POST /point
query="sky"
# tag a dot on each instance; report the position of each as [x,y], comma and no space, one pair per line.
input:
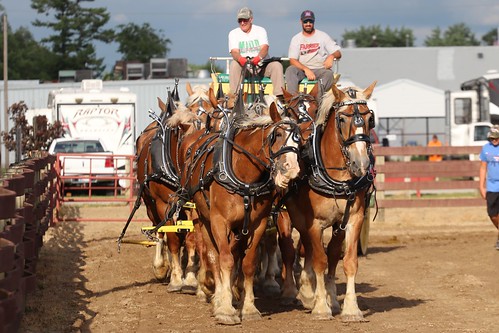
[198,29]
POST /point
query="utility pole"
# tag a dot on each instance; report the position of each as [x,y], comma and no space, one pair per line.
[5,91]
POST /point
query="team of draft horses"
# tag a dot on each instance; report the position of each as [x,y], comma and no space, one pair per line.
[228,166]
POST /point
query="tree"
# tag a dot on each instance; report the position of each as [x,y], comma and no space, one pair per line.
[141,42]
[32,138]
[75,29]
[491,37]
[27,58]
[375,36]
[455,35]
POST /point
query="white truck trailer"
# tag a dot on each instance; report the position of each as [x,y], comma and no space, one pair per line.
[95,112]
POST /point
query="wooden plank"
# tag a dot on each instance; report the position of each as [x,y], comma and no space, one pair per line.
[429,169]
[420,150]
[427,185]
[417,202]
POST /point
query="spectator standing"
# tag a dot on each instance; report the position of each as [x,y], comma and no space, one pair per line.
[435,142]
[489,176]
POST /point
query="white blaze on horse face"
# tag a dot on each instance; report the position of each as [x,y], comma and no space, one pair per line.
[287,165]
[359,156]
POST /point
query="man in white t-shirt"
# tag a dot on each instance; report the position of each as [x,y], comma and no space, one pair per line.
[311,55]
[249,42]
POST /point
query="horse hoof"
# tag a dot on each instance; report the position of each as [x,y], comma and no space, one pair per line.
[252,316]
[272,290]
[190,290]
[351,318]
[308,303]
[227,320]
[290,301]
[161,273]
[322,316]
[174,288]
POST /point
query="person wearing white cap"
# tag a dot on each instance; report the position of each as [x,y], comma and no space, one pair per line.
[249,42]
[311,55]
[489,176]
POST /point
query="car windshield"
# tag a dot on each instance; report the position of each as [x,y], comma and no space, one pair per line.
[87,146]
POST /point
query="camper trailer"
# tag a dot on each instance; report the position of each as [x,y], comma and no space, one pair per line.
[95,112]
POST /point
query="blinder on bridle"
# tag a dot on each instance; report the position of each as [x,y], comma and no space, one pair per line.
[293,132]
[357,119]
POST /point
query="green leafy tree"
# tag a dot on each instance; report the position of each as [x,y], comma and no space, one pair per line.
[141,42]
[27,58]
[75,28]
[455,35]
[375,36]
[491,37]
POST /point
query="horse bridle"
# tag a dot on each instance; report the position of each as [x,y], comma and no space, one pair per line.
[358,121]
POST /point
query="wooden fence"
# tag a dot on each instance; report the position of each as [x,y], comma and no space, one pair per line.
[27,200]
[406,179]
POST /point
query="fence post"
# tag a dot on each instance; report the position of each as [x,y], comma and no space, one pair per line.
[380,178]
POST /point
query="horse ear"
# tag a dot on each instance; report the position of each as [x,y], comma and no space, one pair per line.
[286,94]
[274,113]
[315,91]
[369,90]
[161,105]
[211,95]
[189,89]
[338,94]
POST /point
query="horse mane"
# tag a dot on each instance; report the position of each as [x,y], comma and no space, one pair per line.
[254,121]
[199,93]
[182,116]
[329,99]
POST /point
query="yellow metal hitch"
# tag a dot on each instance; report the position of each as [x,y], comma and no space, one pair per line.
[137,242]
[181,226]
[190,205]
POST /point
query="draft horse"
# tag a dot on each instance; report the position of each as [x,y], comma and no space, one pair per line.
[339,173]
[158,176]
[230,176]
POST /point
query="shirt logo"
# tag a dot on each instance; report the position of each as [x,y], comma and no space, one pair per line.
[309,48]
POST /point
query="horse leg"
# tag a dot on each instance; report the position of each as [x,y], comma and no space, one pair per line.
[161,259]
[271,268]
[249,310]
[321,309]
[206,284]
[307,276]
[223,311]
[334,250]
[289,291]
[190,285]
[351,311]
[176,282]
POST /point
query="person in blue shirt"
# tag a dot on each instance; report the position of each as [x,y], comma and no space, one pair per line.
[489,176]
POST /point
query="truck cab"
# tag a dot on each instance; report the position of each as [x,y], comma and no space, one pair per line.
[471,110]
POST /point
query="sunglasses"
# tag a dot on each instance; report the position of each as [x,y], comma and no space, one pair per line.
[308,21]
[243,20]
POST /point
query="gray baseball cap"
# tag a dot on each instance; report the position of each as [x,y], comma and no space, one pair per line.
[244,13]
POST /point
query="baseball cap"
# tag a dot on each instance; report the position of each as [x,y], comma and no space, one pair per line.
[244,13]
[493,133]
[307,15]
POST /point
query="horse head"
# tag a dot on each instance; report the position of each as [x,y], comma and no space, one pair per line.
[284,145]
[353,122]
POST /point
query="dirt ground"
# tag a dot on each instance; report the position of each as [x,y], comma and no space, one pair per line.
[427,270]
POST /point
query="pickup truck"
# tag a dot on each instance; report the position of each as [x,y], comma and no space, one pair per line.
[84,161]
